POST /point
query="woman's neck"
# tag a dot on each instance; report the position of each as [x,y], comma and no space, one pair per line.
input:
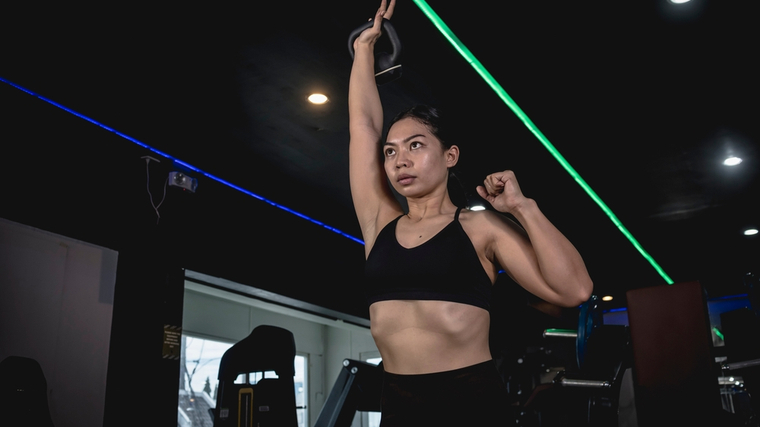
[429,207]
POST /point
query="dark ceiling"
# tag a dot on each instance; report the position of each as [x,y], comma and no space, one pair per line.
[643,98]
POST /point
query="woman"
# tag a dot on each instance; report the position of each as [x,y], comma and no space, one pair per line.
[430,270]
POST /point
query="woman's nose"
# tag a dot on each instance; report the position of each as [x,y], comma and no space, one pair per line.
[402,160]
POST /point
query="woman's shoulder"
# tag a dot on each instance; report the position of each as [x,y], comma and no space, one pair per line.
[467,215]
[486,221]
[491,232]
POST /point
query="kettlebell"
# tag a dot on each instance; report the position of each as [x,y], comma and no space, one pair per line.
[387,66]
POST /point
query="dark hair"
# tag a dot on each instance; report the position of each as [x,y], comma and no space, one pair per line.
[429,116]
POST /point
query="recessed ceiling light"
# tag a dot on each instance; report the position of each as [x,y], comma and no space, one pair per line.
[317,98]
[732,161]
[679,1]
[750,231]
[607,298]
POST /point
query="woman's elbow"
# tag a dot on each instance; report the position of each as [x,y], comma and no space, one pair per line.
[578,294]
[585,290]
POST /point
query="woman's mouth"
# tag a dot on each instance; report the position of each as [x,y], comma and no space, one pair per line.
[405,179]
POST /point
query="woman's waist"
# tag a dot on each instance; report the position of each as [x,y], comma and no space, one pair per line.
[421,357]
[429,336]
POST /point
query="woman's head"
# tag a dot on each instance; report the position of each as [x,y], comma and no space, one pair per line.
[417,154]
[433,120]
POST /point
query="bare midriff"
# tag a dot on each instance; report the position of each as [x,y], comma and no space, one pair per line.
[420,337]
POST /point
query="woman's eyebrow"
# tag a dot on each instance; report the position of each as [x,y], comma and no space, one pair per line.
[405,140]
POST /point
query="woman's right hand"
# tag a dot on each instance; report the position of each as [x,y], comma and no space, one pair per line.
[371,34]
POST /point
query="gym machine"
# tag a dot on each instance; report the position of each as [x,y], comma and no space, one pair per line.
[357,388]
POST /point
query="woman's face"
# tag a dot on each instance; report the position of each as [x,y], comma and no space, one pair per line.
[415,161]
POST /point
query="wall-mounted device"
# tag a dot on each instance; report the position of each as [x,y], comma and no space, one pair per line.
[179,179]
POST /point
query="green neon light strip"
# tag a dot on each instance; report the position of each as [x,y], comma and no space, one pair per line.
[719,334]
[470,58]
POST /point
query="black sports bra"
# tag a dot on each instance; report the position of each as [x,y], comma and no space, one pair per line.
[445,268]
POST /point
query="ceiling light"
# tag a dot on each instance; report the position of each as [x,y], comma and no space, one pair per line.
[732,161]
[607,298]
[679,1]
[317,98]
[750,231]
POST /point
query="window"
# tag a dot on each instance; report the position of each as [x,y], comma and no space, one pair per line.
[198,380]
[199,367]
[300,381]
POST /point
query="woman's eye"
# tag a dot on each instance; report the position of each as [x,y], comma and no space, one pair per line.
[389,152]
[414,145]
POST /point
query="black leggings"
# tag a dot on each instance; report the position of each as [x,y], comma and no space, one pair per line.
[473,396]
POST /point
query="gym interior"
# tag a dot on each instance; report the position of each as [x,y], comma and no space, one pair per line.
[171,199]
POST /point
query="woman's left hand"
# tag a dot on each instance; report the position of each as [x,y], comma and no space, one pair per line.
[371,34]
[502,191]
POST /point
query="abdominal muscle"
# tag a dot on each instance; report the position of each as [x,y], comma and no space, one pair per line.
[419,337]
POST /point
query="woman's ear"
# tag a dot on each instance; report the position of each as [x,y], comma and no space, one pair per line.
[452,156]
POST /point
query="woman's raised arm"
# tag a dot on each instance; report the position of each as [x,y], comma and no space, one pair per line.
[373,200]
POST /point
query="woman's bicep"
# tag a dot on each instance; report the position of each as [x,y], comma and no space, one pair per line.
[513,251]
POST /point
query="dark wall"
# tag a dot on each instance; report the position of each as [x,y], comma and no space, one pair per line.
[68,176]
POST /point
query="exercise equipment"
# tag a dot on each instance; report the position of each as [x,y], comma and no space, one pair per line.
[741,338]
[591,391]
[268,401]
[357,388]
[387,65]
[676,378]
[589,318]
[23,393]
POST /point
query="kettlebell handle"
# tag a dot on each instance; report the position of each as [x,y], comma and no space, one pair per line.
[388,30]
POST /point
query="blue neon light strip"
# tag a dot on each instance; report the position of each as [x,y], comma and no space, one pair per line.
[188,166]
